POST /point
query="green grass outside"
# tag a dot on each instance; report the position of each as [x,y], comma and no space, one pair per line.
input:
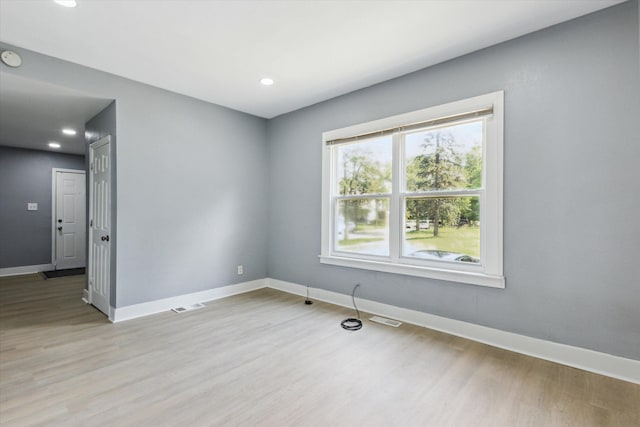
[351,242]
[463,240]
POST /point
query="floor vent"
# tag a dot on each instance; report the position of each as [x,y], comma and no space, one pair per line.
[385,321]
[187,308]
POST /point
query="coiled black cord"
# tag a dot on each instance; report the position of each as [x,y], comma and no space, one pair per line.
[352,324]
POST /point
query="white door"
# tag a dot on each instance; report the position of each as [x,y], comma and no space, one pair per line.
[100,224]
[70,217]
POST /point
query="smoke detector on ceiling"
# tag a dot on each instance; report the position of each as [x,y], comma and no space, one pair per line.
[11,58]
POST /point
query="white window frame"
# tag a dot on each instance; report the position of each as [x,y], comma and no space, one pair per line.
[490,271]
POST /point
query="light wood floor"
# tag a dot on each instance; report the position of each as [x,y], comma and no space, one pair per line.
[266,359]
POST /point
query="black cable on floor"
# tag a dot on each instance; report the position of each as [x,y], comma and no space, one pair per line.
[308,301]
[352,324]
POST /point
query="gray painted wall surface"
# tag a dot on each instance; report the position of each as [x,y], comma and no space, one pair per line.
[101,125]
[192,184]
[25,176]
[571,229]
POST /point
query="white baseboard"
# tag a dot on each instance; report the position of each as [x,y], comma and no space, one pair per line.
[588,360]
[85,296]
[26,269]
[152,307]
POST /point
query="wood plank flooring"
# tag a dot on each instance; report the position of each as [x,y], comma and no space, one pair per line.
[266,359]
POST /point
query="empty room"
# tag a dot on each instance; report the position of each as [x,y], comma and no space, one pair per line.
[319,213]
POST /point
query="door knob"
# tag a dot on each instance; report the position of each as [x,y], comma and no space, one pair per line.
[59,220]
[59,228]
[105,238]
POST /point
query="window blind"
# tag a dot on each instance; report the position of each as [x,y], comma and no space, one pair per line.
[414,126]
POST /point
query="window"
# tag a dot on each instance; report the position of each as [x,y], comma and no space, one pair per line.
[418,193]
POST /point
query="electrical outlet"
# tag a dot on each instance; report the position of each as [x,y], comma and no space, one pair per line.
[32,206]
[240,269]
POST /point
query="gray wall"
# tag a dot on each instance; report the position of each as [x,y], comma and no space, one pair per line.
[101,125]
[192,184]
[572,234]
[25,176]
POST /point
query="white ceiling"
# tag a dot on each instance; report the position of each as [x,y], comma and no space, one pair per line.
[315,50]
[33,113]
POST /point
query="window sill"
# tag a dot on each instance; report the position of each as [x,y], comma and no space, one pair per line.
[471,278]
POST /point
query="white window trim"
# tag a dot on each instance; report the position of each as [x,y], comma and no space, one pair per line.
[491,272]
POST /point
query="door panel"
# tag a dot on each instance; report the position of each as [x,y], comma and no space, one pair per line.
[100,225]
[70,221]
[69,246]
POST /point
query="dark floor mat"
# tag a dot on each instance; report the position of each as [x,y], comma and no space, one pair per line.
[63,273]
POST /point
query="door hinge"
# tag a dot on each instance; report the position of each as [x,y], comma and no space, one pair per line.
[91,166]
[90,223]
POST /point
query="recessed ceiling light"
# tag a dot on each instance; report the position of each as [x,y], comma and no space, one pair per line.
[266,81]
[68,131]
[67,3]
[54,145]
